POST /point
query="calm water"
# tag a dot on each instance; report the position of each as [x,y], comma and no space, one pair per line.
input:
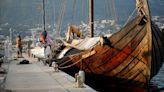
[158,80]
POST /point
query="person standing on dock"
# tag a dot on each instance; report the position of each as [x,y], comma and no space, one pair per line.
[19,46]
[28,47]
[43,36]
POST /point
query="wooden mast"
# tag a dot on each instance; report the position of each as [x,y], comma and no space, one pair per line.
[91,2]
[44,16]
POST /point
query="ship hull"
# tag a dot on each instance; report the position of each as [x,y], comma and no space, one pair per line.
[133,57]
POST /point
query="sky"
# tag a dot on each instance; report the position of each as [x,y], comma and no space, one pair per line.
[29,12]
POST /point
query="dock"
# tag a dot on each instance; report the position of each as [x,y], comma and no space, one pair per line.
[36,77]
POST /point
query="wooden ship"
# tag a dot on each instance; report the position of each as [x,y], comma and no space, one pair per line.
[131,56]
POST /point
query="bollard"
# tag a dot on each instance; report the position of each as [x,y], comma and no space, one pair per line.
[79,79]
[79,83]
[55,66]
[82,75]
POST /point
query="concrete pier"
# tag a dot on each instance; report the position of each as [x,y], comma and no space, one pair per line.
[36,77]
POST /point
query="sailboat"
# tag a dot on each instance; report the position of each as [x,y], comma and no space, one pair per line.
[131,56]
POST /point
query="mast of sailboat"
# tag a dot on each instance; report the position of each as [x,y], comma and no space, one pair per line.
[91,2]
[44,16]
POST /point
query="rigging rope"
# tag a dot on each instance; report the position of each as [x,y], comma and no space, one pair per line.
[61,16]
[82,29]
[82,9]
[65,62]
[58,19]
[74,9]
[82,26]
[88,11]
[60,67]
[53,15]
[130,17]
[107,8]
[80,60]
[113,12]
[84,56]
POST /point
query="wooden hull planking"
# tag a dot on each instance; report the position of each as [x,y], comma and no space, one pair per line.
[128,58]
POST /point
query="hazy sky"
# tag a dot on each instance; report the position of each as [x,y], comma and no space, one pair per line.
[30,11]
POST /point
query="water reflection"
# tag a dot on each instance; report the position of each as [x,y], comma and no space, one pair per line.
[157,83]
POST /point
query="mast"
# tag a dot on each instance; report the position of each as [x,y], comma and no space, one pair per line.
[44,16]
[91,2]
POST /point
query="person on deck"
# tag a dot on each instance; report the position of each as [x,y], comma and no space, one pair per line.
[19,46]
